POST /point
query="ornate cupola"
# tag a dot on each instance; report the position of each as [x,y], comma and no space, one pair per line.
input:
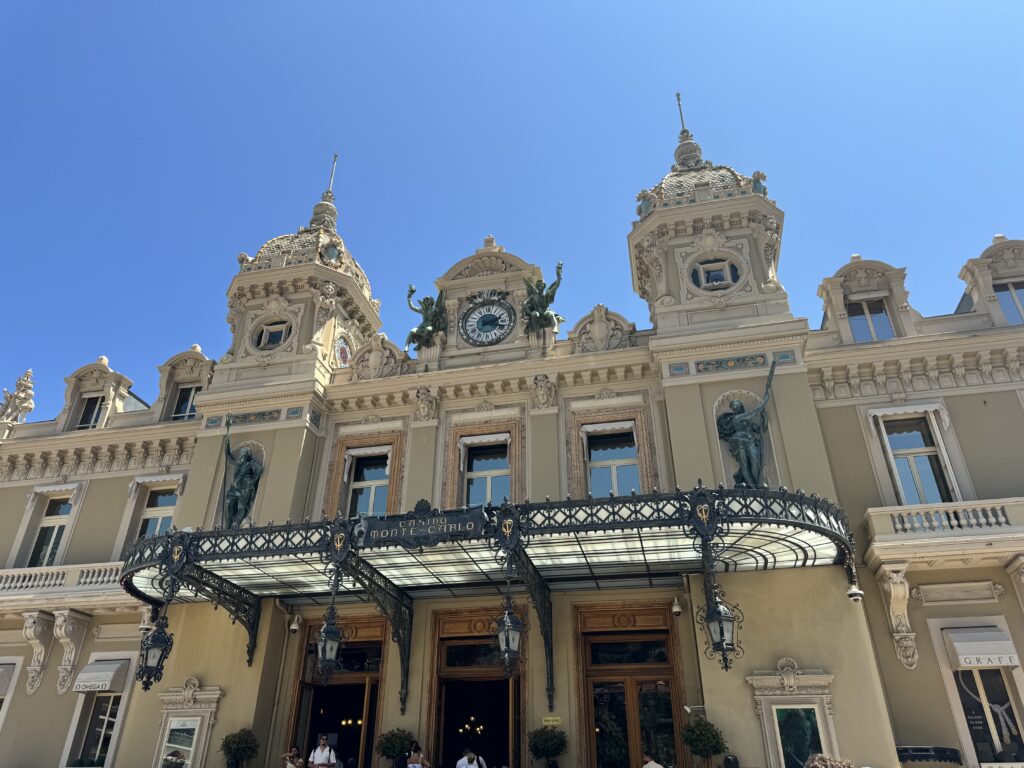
[300,307]
[704,250]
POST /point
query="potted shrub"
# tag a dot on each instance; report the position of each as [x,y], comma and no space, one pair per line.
[547,743]
[703,739]
[239,746]
[393,745]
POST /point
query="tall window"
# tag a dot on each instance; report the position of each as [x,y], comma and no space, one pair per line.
[50,534]
[91,409]
[915,462]
[488,474]
[990,711]
[368,486]
[869,320]
[185,403]
[613,467]
[1011,300]
[99,729]
[158,513]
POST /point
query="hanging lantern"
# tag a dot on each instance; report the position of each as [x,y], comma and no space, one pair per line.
[155,648]
[328,643]
[721,623]
[510,634]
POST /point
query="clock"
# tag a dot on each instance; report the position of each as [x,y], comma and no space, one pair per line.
[487,322]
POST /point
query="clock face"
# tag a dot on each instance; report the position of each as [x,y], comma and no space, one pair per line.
[487,323]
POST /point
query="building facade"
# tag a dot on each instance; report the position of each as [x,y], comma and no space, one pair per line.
[620,492]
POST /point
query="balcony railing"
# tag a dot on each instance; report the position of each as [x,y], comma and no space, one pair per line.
[92,577]
[957,518]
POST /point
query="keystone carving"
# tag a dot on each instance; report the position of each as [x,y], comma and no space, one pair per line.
[543,391]
[69,627]
[38,633]
[896,591]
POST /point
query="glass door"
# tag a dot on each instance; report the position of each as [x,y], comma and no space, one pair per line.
[631,703]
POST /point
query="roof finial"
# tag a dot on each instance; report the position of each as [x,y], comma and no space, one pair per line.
[330,184]
[679,103]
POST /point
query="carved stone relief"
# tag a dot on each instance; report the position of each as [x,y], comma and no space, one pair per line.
[543,392]
[378,359]
[896,591]
[426,404]
[69,628]
[601,331]
[38,633]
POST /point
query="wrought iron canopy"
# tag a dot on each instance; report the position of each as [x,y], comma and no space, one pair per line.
[573,543]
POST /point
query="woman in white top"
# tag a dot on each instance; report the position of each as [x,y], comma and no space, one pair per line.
[416,758]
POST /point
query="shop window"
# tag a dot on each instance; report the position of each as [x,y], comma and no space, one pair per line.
[9,667]
[101,685]
[613,464]
[869,321]
[185,403]
[272,334]
[92,407]
[1011,301]
[158,513]
[179,747]
[915,461]
[798,732]
[98,728]
[50,534]
[487,474]
[187,717]
[368,485]
[991,713]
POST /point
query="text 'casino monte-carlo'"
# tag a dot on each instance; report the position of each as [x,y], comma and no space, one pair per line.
[511,521]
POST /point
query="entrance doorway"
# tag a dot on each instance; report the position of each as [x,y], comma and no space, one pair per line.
[344,707]
[479,705]
[476,715]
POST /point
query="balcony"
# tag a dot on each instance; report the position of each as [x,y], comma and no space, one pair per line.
[71,586]
[958,534]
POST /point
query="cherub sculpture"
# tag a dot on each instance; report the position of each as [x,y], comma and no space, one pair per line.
[18,404]
[537,307]
[435,320]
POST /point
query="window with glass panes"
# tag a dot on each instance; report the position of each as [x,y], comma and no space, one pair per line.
[52,526]
[185,403]
[99,729]
[91,408]
[158,513]
[272,334]
[915,461]
[869,320]
[1011,300]
[488,474]
[991,712]
[368,486]
[613,467]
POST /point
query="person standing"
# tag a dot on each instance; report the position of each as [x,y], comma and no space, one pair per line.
[323,755]
[650,762]
[288,759]
[416,758]
[470,760]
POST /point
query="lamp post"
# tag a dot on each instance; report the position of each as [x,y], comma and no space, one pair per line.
[510,635]
[155,648]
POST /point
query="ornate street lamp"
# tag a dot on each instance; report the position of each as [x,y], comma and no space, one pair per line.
[721,624]
[510,634]
[156,647]
[329,643]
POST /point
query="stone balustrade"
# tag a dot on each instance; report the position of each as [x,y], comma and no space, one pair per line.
[91,577]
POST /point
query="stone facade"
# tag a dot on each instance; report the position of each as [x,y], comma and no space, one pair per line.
[914,424]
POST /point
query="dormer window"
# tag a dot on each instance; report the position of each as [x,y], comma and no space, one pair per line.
[185,403]
[715,274]
[1011,301]
[92,407]
[271,334]
[869,320]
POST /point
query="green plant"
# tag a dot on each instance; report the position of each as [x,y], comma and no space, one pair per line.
[703,738]
[239,746]
[547,743]
[394,744]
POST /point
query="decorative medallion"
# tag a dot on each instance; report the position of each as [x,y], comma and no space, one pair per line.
[342,352]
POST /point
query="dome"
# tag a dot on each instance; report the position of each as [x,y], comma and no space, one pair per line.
[684,182]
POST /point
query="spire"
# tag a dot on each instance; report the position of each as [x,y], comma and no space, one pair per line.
[325,215]
[688,153]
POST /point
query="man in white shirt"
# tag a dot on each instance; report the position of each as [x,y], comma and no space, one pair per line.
[650,762]
[470,760]
[323,755]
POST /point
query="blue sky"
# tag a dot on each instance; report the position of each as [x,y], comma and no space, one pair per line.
[145,145]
